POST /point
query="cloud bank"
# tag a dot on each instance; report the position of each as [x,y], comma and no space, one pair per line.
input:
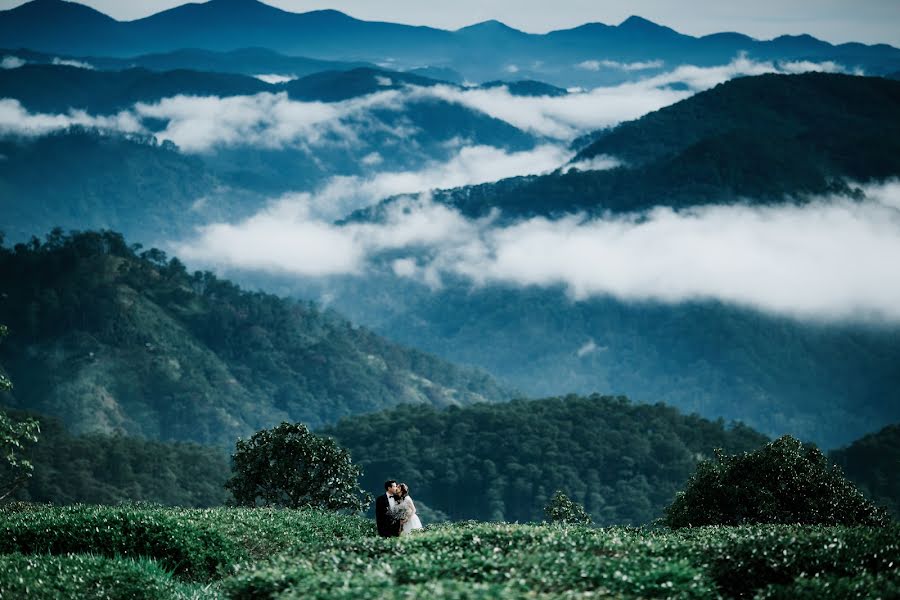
[267,120]
[829,259]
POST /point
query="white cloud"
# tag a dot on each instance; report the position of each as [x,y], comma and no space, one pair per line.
[11,62]
[275,78]
[596,65]
[78,64]
[601,162]
[383,81]
[15,120]
[829,259]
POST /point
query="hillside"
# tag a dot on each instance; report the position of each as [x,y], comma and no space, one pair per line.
[110,340]
[622,461]
[872,462]
[759,138]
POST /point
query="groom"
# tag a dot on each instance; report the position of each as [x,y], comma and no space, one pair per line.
[388,526]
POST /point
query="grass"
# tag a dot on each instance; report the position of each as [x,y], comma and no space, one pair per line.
[285,554]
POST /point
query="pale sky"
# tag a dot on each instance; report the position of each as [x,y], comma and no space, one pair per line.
[836,21]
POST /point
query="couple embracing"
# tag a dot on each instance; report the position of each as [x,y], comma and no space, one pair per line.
[395,513]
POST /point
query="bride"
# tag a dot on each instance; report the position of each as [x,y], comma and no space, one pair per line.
[406,510]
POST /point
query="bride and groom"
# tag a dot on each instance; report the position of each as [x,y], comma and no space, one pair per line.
[395,512]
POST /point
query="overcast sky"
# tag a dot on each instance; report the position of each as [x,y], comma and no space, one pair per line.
[868,21]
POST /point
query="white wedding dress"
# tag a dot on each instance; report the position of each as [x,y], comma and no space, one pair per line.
[413,522]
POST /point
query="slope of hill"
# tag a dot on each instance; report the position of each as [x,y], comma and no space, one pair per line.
[110,341]
[759,138]
[828,384]
[624,462]
[873,463]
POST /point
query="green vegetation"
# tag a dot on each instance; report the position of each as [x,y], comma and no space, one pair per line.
[287,466]
[562,511]
[110,469]
[111,339]
[783,482]
[265,553]
[824,383]
[623,462]
[873,463]
[15,468]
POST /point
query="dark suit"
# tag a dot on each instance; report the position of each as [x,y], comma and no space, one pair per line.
[387,525]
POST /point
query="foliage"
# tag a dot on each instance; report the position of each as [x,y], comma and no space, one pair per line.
[623,462]
[514,561]
[287,466]
[190,551]
[123,340]
[872,463]
[109,469]
[84,577]
[15,469]
[782,482]
[562,511]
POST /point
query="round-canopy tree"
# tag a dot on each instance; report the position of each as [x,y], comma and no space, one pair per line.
[15,469]
[782,482]
[288,466]
[561,510]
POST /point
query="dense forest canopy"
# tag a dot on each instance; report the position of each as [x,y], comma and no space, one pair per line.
[623,462]
[113,339]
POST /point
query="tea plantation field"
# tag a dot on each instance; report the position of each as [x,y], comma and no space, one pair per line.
[138,551]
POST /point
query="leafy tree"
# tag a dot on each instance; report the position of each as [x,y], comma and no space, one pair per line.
[783,482]
[291,467]
[14,468]
[563,511]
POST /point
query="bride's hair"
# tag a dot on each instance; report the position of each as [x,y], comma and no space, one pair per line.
[404,490]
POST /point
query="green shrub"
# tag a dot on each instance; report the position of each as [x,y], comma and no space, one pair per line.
[563,511]
[77,577]
[288,466]
[782,482]
[191,551]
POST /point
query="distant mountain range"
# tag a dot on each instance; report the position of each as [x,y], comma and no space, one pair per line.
[112,339]
[481,52]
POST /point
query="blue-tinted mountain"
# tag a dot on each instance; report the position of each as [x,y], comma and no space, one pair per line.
[110,338]
[59,88]
[765,138]
[245,61]
[481,52]
[333,86]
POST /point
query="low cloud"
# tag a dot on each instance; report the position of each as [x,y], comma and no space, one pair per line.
[273,120]
[78,64]
[11,62]
[828,259]
[597,65]
[274,78]
[15,120]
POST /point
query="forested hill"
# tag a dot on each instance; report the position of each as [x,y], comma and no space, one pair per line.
[624,462]
[873,463]
[758,138]
[112,339]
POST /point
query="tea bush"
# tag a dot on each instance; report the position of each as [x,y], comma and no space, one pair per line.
[191,551]
[782,482]
[500,561]
[77,577]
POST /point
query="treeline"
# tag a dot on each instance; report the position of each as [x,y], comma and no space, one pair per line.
[109,469]
[113,338]
[624,462]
